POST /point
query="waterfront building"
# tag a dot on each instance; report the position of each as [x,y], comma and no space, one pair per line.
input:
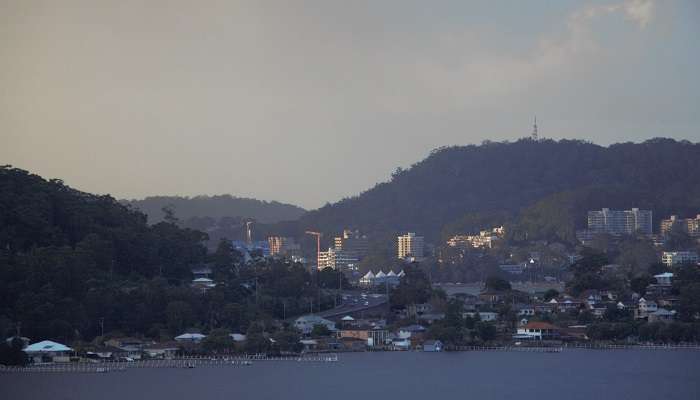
[671,258]
[48,351]
[537,331]
[620,222]
[691,226]
[432,346]
[410,246]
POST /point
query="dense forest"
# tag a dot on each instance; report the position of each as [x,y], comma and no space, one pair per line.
[215,208]
[544,187]
[72,264]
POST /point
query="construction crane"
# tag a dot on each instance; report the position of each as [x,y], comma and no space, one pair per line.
[318,245]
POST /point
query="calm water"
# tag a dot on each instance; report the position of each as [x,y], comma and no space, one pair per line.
[573,374]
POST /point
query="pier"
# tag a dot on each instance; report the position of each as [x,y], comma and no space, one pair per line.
[183,362]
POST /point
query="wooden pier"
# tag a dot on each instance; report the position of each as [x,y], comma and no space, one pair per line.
[184,362]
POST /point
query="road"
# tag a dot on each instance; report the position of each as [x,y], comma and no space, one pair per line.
[355,301]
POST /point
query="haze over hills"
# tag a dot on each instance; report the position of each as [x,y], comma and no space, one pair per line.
[216,207]
[532,184]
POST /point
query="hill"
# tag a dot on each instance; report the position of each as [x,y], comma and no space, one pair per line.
[73,264]
[527,181]
[216,207]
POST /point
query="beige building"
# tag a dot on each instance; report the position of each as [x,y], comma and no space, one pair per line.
[283,246]
[483,239]
[410,246]
[690,225]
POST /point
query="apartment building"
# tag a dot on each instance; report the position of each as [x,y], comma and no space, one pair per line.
[410,246]
[691,226]
[620,222]
[671,258]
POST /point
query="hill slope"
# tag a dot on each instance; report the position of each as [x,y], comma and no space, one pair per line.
[217,207]
[498,178]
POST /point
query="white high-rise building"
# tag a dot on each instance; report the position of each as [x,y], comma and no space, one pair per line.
[410,246]
[616,222]
[337,259]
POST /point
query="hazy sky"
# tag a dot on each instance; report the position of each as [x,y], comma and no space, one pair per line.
[311,101]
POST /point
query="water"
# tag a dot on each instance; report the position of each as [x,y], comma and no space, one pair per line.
[572,374]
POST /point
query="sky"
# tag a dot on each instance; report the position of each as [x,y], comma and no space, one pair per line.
[308,102]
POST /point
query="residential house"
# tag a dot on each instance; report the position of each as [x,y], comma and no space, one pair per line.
[305,324]
[432,346]
[193,338]
[662,315]
[48,351]
[167,350]
[537,331]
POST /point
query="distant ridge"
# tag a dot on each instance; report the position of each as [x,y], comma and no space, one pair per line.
[527,182]
[216,207]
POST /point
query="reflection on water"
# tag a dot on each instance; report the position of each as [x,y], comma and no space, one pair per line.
[572,374]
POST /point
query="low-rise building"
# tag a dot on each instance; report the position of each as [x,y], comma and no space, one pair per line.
[537,331]
[48,351]
[432,346]
[305,324]
[190,338]
[662,315]
[671,258]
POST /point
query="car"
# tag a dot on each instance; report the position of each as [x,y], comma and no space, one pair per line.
[366,303]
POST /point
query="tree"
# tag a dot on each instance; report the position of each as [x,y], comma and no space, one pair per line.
[588,272]
[414,288]
[320,330]
[486,331]
[11,353]
[550,294]
[179,315]
[256,341]
[497,284]
[218,340]
[640,283]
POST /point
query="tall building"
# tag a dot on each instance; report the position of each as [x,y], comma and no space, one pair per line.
[283,246]
[337,259]
[691,226]
[410,246]
[620,222]
[352,243]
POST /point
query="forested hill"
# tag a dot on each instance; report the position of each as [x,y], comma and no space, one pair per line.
[216,207]
[455,183]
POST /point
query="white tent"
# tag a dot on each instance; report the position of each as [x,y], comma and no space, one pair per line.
[380,274]
[347,318]
[391,273]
